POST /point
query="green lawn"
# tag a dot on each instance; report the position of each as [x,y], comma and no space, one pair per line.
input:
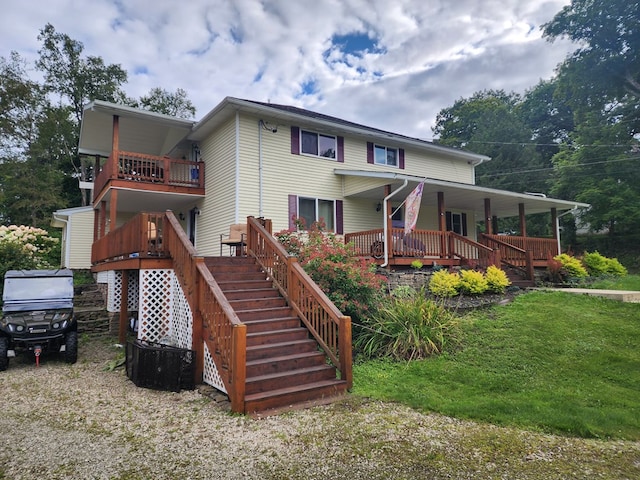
[628,282]
[549,361]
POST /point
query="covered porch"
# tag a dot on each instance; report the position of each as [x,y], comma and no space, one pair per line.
[465,218]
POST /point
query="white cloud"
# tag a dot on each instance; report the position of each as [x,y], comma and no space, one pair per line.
[427,55]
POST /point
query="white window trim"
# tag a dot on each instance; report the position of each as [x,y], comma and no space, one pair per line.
[386,164]
[317,216]
[318,134]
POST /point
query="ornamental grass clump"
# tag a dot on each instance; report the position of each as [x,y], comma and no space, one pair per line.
[444,283]
[472,282]
[408,327]
[497,280]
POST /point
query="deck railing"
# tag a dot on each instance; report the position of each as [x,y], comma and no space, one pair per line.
[138,167]
[540,248]
[472,252]
[142,236]
[325,322]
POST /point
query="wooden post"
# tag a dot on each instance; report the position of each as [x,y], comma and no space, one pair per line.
[442,225]
[197,340]
[488,227]
[115,146]
[345,350]
[523,220]
[239,369]
[113,210]
[124,305]
[529,261]
[554,222]
[103,219]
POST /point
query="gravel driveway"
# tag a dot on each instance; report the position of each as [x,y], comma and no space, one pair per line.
[81,421]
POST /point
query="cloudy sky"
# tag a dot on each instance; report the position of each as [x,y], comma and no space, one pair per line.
[389,64]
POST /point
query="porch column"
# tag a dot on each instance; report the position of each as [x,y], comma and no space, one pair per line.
[113,210]
[487,216]
[388,240]
[523,220]
[555,229]
[124,305]
[115,145]
[103,219]
[442,225]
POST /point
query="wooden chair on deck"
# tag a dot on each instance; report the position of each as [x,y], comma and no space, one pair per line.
[237,239]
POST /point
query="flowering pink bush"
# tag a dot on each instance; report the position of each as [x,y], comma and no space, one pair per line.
[349,281]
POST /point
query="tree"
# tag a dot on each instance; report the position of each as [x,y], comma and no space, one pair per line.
[162,101]
[77,80]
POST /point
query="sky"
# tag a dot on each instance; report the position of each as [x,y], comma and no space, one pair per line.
[388,64]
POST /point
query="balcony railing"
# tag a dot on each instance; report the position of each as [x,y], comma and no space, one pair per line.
[149,169]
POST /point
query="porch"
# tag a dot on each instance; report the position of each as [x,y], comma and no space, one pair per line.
[447,248]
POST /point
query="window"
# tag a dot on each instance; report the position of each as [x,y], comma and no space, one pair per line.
[385,156]
[314,209]
[318,144]
[457,223]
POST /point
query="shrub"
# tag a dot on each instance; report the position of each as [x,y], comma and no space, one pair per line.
[473,282]
[572,265]
[349,281]
[598,265]
[497,280]
[444,283]
[408,329]
[417,264]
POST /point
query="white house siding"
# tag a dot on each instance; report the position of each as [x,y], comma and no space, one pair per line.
[218,208]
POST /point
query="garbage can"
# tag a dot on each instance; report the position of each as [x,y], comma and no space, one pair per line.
[161,367]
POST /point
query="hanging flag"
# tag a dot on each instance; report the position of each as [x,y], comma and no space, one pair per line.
[412,207]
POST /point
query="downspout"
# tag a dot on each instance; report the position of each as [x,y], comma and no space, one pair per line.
[260,215]
[558,225]
[65,232]
[385,227]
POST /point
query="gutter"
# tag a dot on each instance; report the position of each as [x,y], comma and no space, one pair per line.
[573,210]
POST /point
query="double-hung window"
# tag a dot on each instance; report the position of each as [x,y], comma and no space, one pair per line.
[385,155]
[316,209]
[318,144]
[457,222]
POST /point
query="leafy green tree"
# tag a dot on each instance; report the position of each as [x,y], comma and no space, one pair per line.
[162,101]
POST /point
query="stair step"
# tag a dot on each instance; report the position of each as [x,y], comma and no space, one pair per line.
[267,350]
[230,285]
[238,276]
[291,395]
[282,379]
[252,293]
[245,304]
[270,324]
[265,366]
[277,336]
[264,313]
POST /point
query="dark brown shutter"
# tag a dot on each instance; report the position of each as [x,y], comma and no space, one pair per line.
[369,152]
[464,224]
[341,149]
[401,159]
[339,218]
[293,210]
[295,140]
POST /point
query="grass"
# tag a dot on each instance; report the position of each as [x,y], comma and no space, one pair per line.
[550,361]
[628,282]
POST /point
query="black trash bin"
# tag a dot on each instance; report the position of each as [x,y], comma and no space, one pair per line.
[161,367]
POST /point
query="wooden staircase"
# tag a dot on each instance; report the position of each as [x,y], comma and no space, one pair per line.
[284,364]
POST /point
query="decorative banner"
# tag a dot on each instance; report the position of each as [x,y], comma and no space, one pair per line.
[412,207]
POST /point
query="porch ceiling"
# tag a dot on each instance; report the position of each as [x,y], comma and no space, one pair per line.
[459,196]
[134,201]
[140,131]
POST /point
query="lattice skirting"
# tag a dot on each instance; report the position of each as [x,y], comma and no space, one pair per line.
[113,279]
[210,375]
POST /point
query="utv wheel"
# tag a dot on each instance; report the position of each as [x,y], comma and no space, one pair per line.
[4,358]
[71,347]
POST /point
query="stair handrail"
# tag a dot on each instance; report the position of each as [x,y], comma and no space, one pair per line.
[214,320]
[524,255]
[330,328]
[484,252]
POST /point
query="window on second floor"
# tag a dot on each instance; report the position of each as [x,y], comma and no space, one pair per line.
[306,142]
[318,144]
[385,155]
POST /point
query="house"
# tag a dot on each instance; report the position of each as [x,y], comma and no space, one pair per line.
[77,236]
[167,190]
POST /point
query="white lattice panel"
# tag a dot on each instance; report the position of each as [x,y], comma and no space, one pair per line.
[181,316]
[155,304]
[210,375]
[114,290]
